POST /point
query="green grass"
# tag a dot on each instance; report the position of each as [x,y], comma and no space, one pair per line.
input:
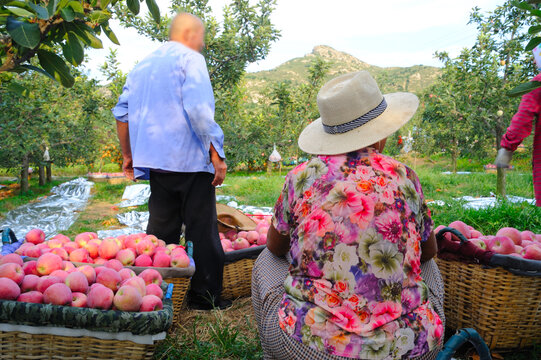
[258,189]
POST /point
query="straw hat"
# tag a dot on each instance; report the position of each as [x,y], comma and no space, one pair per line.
[354,115]
[232,219]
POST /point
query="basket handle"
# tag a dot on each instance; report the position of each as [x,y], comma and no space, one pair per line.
[189,248]
[458,234]
[460,338]
[169,292]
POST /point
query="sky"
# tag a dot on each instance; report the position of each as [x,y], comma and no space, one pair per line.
[383,33]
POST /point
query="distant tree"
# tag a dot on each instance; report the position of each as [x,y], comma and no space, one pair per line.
[47,114]
[467,111]
[57,32]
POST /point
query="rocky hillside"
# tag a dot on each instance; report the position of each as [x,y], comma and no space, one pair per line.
[414,78]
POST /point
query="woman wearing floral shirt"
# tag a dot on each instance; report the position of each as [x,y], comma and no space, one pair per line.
[359,241]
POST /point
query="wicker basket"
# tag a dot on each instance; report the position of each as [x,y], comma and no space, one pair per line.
[21,345]
[180,288]
[503,307]
[238,272]
[238,279]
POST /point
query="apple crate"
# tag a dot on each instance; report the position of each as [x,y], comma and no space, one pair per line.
[48,332]
[498,295]
[238,272]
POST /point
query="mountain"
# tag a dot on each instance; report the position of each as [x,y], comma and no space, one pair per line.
[390,79]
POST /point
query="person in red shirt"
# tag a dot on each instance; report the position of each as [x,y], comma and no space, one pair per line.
[527,118]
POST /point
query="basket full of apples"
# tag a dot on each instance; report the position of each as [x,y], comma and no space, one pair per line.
[492,283]
[241,248]
[81,307]
[137,252]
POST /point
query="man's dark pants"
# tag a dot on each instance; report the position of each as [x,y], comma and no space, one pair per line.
[190,199]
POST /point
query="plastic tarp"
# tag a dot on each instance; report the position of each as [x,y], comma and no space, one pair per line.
[135,195]
[470,202]
[53,213]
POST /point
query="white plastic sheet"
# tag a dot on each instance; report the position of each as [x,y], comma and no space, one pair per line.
[135,195]
[53,213]
[470,202]
[134,219]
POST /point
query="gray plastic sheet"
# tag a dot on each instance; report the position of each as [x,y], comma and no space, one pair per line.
[134,219]
[53,213]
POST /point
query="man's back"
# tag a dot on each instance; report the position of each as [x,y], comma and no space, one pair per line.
[171,112]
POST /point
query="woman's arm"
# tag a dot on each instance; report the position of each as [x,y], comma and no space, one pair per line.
[277,243]
[429,248]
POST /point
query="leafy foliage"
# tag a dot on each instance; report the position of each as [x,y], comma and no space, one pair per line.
[467,112]
[43,27]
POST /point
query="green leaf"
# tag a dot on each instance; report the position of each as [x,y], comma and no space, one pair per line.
[85,33]
[523,5]
[37,69]
[67,14]
[76,6]
[534,29]
[23,33]
[134,6]
[533,43]
[73,50]
[51,7]
[524,88]
[154,10]
[104,4]
[20,12]
[55,66]
[110,34]
[41,12]
[18,89]
[100,16]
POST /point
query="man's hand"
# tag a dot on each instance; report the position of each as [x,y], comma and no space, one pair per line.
[503,158]
[220,169]
[127,168]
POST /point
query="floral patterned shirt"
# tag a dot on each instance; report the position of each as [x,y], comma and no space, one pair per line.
[354,288]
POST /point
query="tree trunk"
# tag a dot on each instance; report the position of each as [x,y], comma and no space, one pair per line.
[500,182]
[454,160]
[49,172]
[41,169]
[24,175]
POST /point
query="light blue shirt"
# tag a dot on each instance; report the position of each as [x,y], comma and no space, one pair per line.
[169,105]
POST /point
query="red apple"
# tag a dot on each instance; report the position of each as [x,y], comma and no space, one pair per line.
[45,281]
[78,299]
[32,251]
[12,271]
[151,276]
[511,233]
[151,303]
[180,260]
[77,282]
[60,274]
[60,252]
[137,283]
[240,243]
[108,248]
[100,297]
[462,227]
[57,294]
[126,257]
[502,245]
[30,267]
[11,258]
[9,290]
[29,283]
[109,278]
[527,235]
[68,267]
[125,274]
[143,260]
[532,252]
[114,264]
[31,297]
[161,259]
[262,239]
[79,255]
[154,289]
[89,272]
[127,298]
[69,247]
[35,236]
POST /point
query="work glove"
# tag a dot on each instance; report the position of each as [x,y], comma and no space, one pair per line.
[503,158]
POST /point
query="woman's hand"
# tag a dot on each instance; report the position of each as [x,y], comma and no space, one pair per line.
[429,248]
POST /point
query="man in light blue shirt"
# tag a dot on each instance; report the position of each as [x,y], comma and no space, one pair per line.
[167,132]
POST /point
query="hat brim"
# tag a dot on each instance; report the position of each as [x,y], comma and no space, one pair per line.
[401,107]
